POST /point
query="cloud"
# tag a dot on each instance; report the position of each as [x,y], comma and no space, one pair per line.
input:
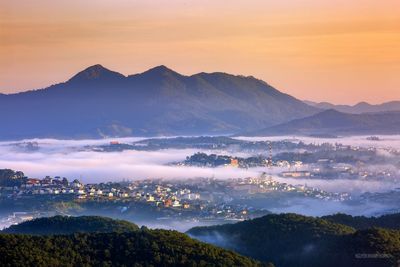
[343,185]
[70,159]
[314,207]
[67,158]
[385,141]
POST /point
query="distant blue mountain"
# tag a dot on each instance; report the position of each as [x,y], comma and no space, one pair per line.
[362,107]
[333,122]
[98,102]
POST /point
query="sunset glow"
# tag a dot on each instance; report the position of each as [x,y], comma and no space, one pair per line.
[337,51]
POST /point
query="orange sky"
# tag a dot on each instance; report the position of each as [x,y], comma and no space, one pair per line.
[318,50]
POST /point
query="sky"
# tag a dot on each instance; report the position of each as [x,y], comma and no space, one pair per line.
[337,51]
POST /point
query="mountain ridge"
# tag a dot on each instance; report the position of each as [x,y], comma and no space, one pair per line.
[95,72]
[360,107]
[296,240]
[64,225]
[331,121]
[98,102]
[101,241]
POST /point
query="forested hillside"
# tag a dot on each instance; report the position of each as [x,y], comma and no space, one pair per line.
[68,225]
[295,240]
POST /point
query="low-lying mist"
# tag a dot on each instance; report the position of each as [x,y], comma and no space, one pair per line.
[381,141]
[68,158]
[72,159]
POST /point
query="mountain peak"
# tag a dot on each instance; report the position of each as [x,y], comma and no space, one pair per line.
[161,67]
[96,72]
[362,104]
[161,70]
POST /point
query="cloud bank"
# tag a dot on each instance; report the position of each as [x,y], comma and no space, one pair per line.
[67,158]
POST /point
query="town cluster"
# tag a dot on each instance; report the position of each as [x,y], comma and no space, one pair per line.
[184,194]
[192,199]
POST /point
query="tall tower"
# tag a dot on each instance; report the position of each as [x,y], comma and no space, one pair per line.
[269,161]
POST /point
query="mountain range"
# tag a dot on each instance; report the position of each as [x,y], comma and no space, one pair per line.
[362,107]
[98,102]
[332,122]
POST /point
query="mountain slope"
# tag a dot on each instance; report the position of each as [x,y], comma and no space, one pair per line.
[390,221]
[335,122]
[60,225]
[99,102]
[362,107]
[294,240]
[138,248]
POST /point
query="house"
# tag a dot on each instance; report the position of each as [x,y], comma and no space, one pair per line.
[168,203]
[76,184]
[30,182]
[296,174]
[176,204]
[149,198]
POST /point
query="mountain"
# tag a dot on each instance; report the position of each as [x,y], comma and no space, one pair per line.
[98,102]
[362,107]
[295,240]
[389,221]
[332,122]
[142,247]
[61,225]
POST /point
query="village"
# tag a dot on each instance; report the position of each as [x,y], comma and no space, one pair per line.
[191,199]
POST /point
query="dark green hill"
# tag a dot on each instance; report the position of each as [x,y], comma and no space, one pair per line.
[390,221]
[370,247]
[58,225]
[100,241]
[294,240]
[138,248]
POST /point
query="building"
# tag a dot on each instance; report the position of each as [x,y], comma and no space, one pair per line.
[296,174]
[234,162]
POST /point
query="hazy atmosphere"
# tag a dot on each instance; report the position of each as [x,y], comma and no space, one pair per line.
[87,161]
[73,159]
[336,51]
[200,133]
